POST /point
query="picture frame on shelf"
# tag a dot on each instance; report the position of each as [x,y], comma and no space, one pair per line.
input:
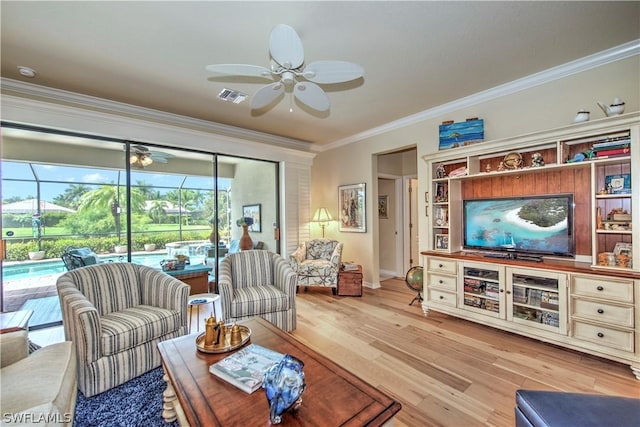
[442,193]
[351,208]
[622,248]
[442,242]
[253,211]
[441,216]
[383,207]
[618,184]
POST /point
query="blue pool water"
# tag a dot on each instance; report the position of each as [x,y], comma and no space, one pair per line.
[31,270]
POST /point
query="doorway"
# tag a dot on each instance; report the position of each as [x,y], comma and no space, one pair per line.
[398,246]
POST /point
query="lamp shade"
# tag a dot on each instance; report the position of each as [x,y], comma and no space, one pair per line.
[322,215]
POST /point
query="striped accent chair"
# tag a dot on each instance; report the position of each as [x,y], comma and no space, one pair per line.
[116,314]
[258,283]
[317,263]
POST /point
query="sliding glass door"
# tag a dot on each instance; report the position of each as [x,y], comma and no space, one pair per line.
[125,201]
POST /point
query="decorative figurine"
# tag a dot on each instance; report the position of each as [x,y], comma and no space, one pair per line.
[487,168]
[582,116]
[512,161]
[584,155]
[501,166]
[617,107]
[536,160]
[209,331]
[283,385]
[440,171]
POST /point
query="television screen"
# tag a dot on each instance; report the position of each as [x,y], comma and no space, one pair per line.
[532,224]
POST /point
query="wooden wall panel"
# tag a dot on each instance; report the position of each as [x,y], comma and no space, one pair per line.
[576,181]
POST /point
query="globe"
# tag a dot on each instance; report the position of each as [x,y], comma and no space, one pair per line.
[413,279]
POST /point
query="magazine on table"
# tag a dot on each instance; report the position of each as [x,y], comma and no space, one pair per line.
[246,367]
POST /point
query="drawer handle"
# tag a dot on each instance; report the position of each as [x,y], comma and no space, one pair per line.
[441,297]
[600,335]
[600,311]
[440,281]
[600,288]
[501,290]
[440,265]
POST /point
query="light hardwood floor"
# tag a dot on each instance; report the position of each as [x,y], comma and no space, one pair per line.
[445,371]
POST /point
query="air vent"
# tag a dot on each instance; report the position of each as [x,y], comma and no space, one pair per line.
[232,95]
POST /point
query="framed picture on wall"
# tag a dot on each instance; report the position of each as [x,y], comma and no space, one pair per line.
[383,207]
[351,208]
[253,211]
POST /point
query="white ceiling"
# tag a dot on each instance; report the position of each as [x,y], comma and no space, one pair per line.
[416,55]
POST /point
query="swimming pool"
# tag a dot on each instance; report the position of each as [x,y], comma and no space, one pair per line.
[31,270]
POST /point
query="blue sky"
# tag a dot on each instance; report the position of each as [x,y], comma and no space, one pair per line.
[73,175]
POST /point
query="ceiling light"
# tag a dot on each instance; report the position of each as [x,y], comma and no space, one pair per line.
[232,95]
[26,71]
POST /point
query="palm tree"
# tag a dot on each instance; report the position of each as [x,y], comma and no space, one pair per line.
[157,211]
[111,198]
[71,196]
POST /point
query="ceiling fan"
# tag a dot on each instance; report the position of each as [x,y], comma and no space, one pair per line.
[141,157]
[288,69]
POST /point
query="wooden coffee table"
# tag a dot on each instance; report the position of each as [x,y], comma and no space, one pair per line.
[334,396]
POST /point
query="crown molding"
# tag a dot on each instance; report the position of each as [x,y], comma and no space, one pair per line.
[58,96]
[599,59]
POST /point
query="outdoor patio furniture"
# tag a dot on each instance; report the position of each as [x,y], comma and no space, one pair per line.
[79,257]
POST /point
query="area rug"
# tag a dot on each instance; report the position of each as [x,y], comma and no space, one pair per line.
[135,403]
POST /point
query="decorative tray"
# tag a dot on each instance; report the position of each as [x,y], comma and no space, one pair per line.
[225,344]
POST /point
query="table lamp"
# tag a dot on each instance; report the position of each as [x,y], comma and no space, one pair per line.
[322,216]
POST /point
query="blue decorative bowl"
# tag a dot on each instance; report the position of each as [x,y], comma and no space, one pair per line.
[283,385]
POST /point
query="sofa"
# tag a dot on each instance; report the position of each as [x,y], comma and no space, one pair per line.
[37,387]
[317,263]
[116,313]
[538,408]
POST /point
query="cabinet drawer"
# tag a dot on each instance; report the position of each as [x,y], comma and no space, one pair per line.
[441,281]
[604,336]
[442,265]
[603,287]
[600,312]
[442,297]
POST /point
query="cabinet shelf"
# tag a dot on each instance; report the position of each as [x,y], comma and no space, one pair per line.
[614,196]
[535,307]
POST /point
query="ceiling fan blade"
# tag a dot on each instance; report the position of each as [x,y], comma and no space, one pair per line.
[240,70]
[332,71]
[285,47]
[266,95]
[312,95]
[159,159]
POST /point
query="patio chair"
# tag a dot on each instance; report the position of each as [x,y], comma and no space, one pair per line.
[79,257]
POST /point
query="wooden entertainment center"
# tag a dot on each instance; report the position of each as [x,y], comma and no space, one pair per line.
[589,302]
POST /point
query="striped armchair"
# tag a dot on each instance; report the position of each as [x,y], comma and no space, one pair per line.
[116,314]
[258,283]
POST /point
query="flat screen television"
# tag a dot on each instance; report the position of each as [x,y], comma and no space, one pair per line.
[536,225]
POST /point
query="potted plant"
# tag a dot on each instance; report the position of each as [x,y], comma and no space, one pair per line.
[120,249]
[35,255]
[149,247]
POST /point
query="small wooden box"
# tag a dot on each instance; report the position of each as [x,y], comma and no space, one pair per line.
[350,282]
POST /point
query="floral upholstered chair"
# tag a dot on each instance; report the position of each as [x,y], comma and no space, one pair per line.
[317,262]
